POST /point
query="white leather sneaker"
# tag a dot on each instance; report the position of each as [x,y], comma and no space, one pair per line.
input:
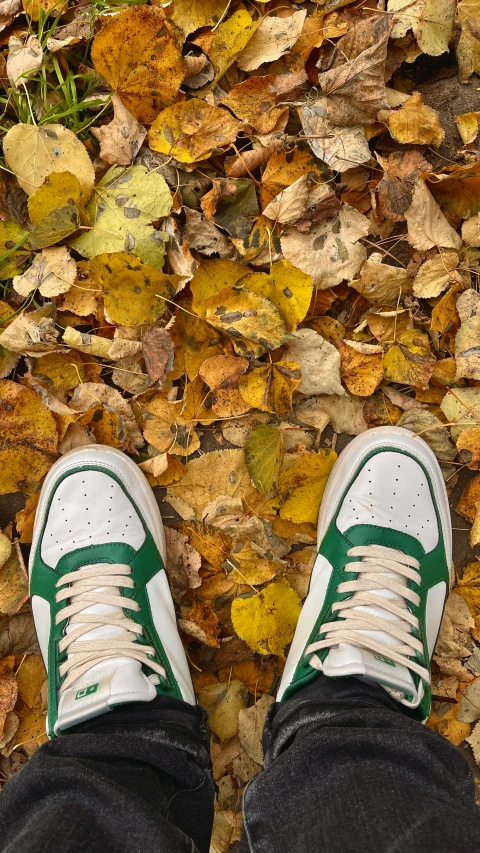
[383,571]
[102,606]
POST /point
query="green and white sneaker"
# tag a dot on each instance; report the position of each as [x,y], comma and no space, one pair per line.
[382,574]
[102,606]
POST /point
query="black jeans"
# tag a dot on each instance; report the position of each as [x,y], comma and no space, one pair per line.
[345,770]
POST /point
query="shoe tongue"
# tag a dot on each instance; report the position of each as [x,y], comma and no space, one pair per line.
[112,682]
[346,659]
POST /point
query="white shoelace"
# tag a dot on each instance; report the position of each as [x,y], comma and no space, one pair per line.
[84,588]
[380,568]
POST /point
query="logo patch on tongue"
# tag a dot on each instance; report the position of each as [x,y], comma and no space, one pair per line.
[86,691]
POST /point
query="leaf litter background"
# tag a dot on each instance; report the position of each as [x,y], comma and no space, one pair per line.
[233,235]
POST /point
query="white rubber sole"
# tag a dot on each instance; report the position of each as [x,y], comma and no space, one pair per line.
[129,474]
[359,448]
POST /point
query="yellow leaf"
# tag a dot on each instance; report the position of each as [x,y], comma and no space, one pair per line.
[270,388]
[170,430]
[192,130]
[410,361]
[475,531]
[132,290]
[210,278]
[266,621]
[263,456]
[287,287]
[249,565]
[190,17]
[195,341]
[241,313]
[283,169]
[301,486]
[467,505]
[414,123]
[10,235]
[29,438]
[328,328]
[58,189]
[444,314]
[255,101]
[257,676]
[468,126]
[209,541]
[436,274]
[34,8]
[31,732]
[461,406]
[137,54]
[125,203]
[61,369]
[33,152]
[223,702]
[271,40]
[93,345]
[223,45]
[30,678]
[222,472]
[361,371]
[381,283]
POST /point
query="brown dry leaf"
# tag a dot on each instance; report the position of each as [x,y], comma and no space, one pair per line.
[467,351]
[13,583]
[319,363]
[469,445]
[17,635]
[467,505]
[159,354]
[381,283]
[121,139]
[394,190]
[201,623]
[468,48]
[255,99]
[8,690]
[271,40]
[258,676]
[133,51]
[354,87]
[455,642]
[250,727]
[183,563]
[414,123]
[108,414]
[362,369]
[432,430]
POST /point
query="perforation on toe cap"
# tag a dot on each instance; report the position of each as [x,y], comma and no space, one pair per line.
[392,490]
[89,508]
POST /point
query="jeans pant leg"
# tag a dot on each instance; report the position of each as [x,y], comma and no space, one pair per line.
[135,779]
[347,770]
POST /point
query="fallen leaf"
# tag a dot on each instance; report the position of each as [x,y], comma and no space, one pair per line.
[381,283]
[114,423]
[122,209]
[133,51]
[467,505]
[431,429]
[319,363]
[223,703]
[194,16]
[241,313]
[255,100]
[210,278]
[467,350]
[30,678]
[121,139]
[33,152]
[250,727]
[362,369]
[339,147]
[192,130]
[409,361]
[248,564]
[227,40]
[300,487]
[257,675]
[468,443]
[267,620]
[159,354]
[461,406]
[454,642]
[468,126]
[427,226]
[468,47]
[271,40]
[222,472]
[53,272]
[414,123]
[24,520]
[183,563]
[32,332]
[436,274]
[22,58]
[331,251]
[263,456]
[13,583]
[11,235]
[270,388]
[132,290]
[345,413]
[5,548]
[29,438]
[394,190]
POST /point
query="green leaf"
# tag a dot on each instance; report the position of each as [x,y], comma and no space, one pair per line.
[263,456]
[124,204]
